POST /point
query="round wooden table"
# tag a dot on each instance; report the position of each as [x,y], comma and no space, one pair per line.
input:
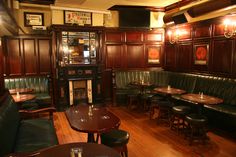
[100,121]
[88,150]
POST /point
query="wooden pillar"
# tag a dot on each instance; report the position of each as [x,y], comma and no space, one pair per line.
[1,68]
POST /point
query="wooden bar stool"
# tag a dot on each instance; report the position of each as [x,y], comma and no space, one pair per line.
[197,127]
[164,111]
[116,139]
[132,100]
[178,117]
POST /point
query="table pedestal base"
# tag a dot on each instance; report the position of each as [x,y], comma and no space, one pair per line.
[91,138]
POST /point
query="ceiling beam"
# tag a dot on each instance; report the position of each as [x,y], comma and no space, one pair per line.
[42,2]
[8,22]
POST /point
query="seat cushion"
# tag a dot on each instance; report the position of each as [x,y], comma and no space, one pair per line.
[115,138]
[181,109]
[29,105]
[9,123]
[224,108]
[35,134]
[196,119]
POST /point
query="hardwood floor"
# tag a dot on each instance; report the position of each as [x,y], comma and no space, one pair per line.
[151,139]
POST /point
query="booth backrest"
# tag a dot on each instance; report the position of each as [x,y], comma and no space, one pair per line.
[123,78]
[40,84]
[182,81]
[157,78]
[9,123]
[221,87]
[224,88]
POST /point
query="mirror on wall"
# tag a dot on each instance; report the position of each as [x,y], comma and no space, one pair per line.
[79,47]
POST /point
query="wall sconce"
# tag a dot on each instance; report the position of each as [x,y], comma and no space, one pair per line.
[229,28]
[173,36]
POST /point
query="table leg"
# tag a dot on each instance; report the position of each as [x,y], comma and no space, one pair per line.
[200,109]
[91,138]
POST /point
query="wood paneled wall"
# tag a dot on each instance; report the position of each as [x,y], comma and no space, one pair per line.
[1,68]
[27,55]
[127,49]
[221,58]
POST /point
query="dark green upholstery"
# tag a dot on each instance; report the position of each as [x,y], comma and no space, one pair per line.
[196,119]
[182,81]
[115,138]
[35,134]
[183,110]
[9,124]
[123,78]
[196,129]
[17,135]
[221,87]
[40,85]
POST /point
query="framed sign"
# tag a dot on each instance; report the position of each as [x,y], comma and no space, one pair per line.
[76,17]
[33,19]
[201,54]
[154,53]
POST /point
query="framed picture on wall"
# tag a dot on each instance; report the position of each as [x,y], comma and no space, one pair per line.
[33,19]
[76,17]
[154,53]
[201,52]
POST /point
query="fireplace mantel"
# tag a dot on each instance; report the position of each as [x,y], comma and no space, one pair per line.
[70,75]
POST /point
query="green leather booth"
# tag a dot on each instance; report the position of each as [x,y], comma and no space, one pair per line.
[22,136]
[225,88]
[40,86]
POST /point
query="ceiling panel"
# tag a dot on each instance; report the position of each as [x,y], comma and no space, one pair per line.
[106,4]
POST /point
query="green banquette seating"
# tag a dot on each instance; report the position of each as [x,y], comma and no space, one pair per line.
[221,87]
[23,135]
[39,84]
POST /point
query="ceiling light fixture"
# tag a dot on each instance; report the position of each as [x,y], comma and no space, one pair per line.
[229,28]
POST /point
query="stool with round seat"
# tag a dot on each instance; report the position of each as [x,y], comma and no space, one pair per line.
[116,139]
[146,100]
[197,127]
[132,99]
[164,111]
[154,105]
[178,117]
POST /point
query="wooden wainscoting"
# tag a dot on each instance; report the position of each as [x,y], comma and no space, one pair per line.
[151,139]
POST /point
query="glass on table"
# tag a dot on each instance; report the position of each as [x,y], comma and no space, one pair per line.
[18,95]
[90,111]
[201,95]
[76,152]
[168,87]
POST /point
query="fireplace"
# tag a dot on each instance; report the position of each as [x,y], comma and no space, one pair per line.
[78,84]
[80,91]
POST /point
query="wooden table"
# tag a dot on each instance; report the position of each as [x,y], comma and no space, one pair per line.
[141,85]
[169,90]
[21,90]
[23,97]
[100,121]
[202,100]
[88,150]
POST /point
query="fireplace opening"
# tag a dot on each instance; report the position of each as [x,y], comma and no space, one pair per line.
[80,91]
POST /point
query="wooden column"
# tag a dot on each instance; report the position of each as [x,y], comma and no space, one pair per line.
[1,68]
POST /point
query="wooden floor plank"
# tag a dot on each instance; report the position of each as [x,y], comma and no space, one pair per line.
[151,139]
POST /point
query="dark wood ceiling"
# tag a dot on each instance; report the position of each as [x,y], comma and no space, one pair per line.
[44,2]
